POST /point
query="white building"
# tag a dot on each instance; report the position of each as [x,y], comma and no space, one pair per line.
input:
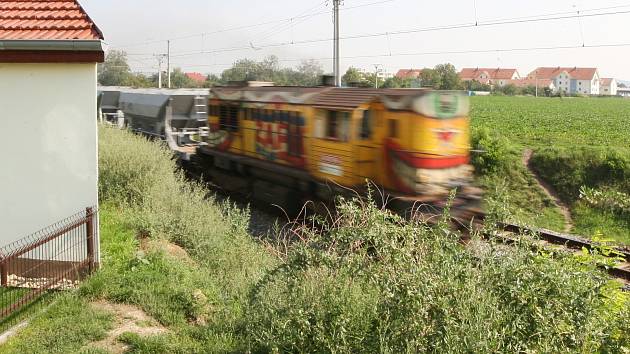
[584,81]
[608,87]
[49,50]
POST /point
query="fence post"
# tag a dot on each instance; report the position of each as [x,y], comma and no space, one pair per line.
[4,276]
[90,237]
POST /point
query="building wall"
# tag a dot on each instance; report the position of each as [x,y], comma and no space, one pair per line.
[48,147]
[608,90]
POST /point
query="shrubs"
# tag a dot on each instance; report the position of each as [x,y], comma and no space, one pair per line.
[368,281]
[371,282]
[567,170]
[493,152]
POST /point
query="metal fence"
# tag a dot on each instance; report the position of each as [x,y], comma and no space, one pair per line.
[53,259]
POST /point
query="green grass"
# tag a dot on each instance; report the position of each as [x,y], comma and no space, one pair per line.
[576,141]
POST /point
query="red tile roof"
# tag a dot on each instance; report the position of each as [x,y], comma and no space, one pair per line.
[45,20]
[493,73]
[408,73]
[575,73]
[197,77]
[606,81]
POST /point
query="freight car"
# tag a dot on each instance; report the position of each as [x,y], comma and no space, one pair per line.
[177,116]
[285,145]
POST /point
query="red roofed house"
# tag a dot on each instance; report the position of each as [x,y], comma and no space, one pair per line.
[489,76]
[570,80]
[49,50]
[408,73]
[608,87]
[198,78]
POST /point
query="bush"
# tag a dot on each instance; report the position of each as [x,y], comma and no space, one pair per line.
[567,170]
[370,282]
[493,152]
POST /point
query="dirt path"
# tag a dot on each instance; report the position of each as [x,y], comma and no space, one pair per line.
[550,192]
[127,318]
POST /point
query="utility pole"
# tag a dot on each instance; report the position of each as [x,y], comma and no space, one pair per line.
[336,66]
[168,62]
[376,72]
[160,58]
[536,78]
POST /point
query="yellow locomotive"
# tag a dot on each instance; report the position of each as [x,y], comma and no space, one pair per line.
[286,145]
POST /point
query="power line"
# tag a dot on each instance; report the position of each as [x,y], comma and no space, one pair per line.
[236,28]
[453,52]
[416,30]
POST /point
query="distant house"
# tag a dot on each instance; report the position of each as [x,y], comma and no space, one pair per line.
[542,84]
[198,78]
[49,50]
[570,80]
[608,87]
[408,73]
[490,76]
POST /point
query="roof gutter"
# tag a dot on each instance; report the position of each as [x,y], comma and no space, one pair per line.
[52,45]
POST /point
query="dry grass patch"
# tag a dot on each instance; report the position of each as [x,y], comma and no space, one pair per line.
[167,248]
[127,319]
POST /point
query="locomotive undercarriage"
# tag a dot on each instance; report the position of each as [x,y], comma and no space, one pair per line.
[290,189]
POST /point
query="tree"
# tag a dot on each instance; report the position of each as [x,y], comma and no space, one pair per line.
[449,79]
[114,71]
[352,76]
[242,70]
[430,78]
[396,82]
[211,80]
[180,80]
[474,85]
[309,73]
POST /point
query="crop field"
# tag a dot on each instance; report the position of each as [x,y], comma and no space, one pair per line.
[577,142]
[540,122]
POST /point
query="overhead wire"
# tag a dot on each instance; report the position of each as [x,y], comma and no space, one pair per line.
[500,22]
[454,52]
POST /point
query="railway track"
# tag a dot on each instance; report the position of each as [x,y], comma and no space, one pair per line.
[507,233]
[619,257]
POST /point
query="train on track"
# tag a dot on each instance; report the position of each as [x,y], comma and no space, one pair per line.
[286,145]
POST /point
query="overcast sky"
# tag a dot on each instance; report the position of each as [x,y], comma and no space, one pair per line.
[136,25]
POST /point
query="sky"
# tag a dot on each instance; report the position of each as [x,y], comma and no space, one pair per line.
[394,34]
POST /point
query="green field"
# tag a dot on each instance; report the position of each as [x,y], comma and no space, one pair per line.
[541,122]
[576,142]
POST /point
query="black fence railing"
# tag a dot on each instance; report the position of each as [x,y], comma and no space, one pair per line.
[53,259]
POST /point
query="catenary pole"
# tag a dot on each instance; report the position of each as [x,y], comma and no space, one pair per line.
[336,66]
[168,62]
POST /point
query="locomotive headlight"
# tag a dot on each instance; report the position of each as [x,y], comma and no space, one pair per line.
[442,105]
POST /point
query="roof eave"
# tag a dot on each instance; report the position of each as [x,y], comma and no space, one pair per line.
[78,45]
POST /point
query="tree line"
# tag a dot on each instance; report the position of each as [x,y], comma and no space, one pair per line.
[115,71]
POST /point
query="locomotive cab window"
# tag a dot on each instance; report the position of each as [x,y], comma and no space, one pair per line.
[393,128]
[228,118]
[365,132]
[337,125]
